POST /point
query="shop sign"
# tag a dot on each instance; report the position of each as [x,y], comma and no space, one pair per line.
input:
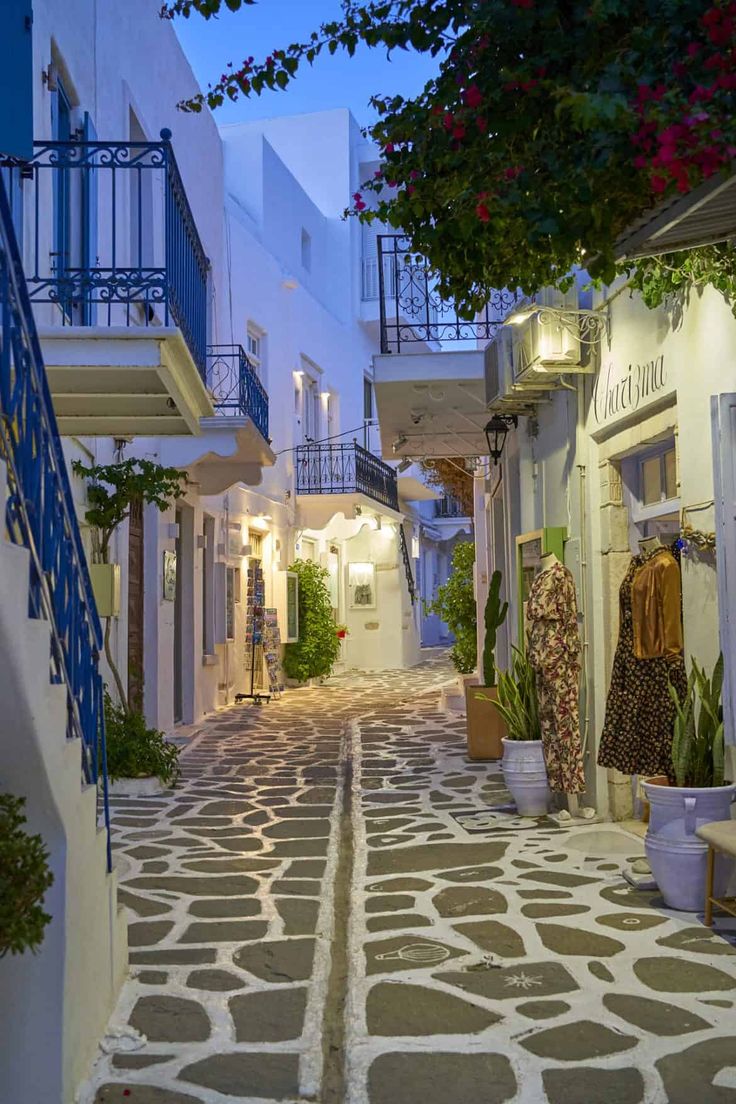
[616,395]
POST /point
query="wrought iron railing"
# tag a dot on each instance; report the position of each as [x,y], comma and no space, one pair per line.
[449,507]
[40,514]
[412,309]
[345,469]
[412,587]
[109,237]
[235,386]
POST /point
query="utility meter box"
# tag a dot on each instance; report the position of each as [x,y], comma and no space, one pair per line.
[106,587]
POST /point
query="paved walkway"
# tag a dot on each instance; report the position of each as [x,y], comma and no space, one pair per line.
[323,910]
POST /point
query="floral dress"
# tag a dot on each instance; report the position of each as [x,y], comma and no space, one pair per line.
[637,733]
[554,653]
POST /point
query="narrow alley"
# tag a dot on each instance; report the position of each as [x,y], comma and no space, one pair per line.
[325,909]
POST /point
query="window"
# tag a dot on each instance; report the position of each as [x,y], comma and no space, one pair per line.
[307,400]
[255,347]
[658,477]
[650,492]
[255,540]
[367,398]
[306,250]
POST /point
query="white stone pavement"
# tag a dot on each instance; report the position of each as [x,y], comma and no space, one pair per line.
[328,853]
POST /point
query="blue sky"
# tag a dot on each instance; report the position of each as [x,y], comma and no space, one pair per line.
[337,81]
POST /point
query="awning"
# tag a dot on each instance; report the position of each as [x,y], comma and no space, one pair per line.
[705,216]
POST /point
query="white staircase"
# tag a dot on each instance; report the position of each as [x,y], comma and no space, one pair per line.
[53,1005]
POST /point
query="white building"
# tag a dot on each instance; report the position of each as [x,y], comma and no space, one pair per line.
[200,302]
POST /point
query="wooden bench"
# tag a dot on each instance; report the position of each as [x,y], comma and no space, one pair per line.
[721,839]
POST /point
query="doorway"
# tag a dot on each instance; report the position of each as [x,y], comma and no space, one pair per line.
[184,670]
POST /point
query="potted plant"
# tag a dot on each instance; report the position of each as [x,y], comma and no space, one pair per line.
[24,878]
[485,726]
[676,854]
[523,766]
[140,762]
[317,650]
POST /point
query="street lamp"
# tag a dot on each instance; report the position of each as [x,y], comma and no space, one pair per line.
[496,432]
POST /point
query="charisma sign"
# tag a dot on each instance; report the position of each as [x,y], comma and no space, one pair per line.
[617,394]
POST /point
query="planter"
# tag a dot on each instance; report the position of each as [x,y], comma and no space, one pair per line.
[525,775]
[676,855]
[485,727]
[149,786]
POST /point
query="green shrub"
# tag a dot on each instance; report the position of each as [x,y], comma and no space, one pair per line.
[455,605]
[24,878]
[316,652]
[136,751]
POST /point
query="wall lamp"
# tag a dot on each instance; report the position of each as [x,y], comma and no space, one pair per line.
[399,442]
[496,432]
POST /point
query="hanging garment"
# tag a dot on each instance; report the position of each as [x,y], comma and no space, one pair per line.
[637,733]
[656,607]
[554,653]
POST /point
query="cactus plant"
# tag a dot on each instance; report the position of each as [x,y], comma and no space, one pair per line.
[495,615]
[697,740]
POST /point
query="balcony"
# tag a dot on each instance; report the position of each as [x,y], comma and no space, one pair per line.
[429,376]
[348,478]
[233,445]
[117,276]
[449,507]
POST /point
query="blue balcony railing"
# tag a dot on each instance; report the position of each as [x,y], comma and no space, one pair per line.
[40,515]
[345,469]
[235,386]
[109,237]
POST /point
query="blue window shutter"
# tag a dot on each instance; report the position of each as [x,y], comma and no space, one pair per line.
[16,79]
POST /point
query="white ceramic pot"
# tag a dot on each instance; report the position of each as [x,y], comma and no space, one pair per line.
[149,786]
[525,775]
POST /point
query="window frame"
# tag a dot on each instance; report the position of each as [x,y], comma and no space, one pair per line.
[632,474]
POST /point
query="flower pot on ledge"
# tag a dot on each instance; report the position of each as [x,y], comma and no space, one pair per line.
[485,727]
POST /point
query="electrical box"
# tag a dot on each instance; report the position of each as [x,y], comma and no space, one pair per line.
[106,587]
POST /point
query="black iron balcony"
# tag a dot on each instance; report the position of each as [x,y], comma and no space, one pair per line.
[235,386]
[449,507]
[412,310]
[109,237]
[345,469]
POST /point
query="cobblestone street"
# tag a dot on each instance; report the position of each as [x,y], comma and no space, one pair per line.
[323,910]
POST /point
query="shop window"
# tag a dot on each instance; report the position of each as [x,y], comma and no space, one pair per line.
[650,493]
[255,540]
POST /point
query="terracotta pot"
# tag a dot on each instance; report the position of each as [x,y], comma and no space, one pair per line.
[485,727]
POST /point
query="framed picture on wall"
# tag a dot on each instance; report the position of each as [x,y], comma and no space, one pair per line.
[362,586]
[169,576]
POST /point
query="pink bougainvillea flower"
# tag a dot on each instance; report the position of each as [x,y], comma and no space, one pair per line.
[659,184]
[482,212]
[523,3]
[473,96]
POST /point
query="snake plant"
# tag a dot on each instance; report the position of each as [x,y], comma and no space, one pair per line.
[517,700]
[697,742]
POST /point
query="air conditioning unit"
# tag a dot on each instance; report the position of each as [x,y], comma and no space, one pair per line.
[502,394]
[544,348]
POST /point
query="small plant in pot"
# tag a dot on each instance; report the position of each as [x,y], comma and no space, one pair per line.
[139,760]
[484,723]
[523,766]
[676,854]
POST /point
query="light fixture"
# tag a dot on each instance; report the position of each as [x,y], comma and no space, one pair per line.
[496,432]
[404,465]
[399,442]
[519,314]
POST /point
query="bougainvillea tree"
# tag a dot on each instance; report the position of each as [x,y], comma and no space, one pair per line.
[550,126]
